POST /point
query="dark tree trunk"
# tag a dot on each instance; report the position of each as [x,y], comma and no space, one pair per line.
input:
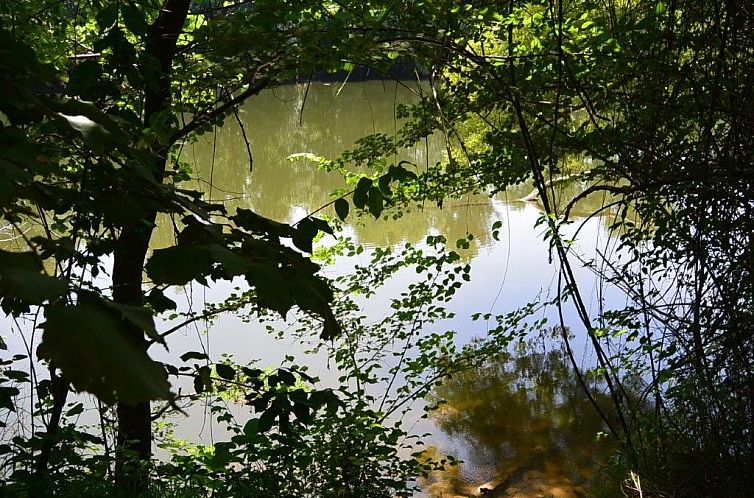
[135,421]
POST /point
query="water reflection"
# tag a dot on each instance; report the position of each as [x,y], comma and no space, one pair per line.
[520,415]
[326,120]
[522,425]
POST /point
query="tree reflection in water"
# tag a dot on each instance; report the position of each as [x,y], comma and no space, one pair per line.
[522,424]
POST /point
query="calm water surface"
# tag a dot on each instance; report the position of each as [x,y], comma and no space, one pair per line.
[518,422]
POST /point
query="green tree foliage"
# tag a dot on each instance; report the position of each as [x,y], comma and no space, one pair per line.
[647,102]
[97,99]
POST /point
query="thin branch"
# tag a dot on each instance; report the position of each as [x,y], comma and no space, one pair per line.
[253,88]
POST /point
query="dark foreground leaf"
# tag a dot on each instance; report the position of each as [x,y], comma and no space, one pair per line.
[97,352]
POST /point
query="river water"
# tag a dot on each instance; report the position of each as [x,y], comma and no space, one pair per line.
[520,423]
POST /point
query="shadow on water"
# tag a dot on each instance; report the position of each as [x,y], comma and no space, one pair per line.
[521,424]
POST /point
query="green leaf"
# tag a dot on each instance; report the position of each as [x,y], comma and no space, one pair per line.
[272,287]
[341,208]
[197,233]
[225,371]
[301,156]
[179,265]
[286,377]
[303,413]
[194,355]
[255,223]
[375,201]
[399,172]
[251,428]
[138,316]
[222,456]
[107,16]
[85,80]
[321,225]
[332,328]
[232,263]
[384,183]
[30,286]
[19,260]
[304,235]
[159,301]
[198,384]
[266,421]
[496,230]
[6,398]
[121,208]
[203,380]
[361,193]
[98,353]
[306,230]
[76,409]
[134,20]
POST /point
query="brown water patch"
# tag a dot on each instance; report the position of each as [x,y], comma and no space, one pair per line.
[522,425]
